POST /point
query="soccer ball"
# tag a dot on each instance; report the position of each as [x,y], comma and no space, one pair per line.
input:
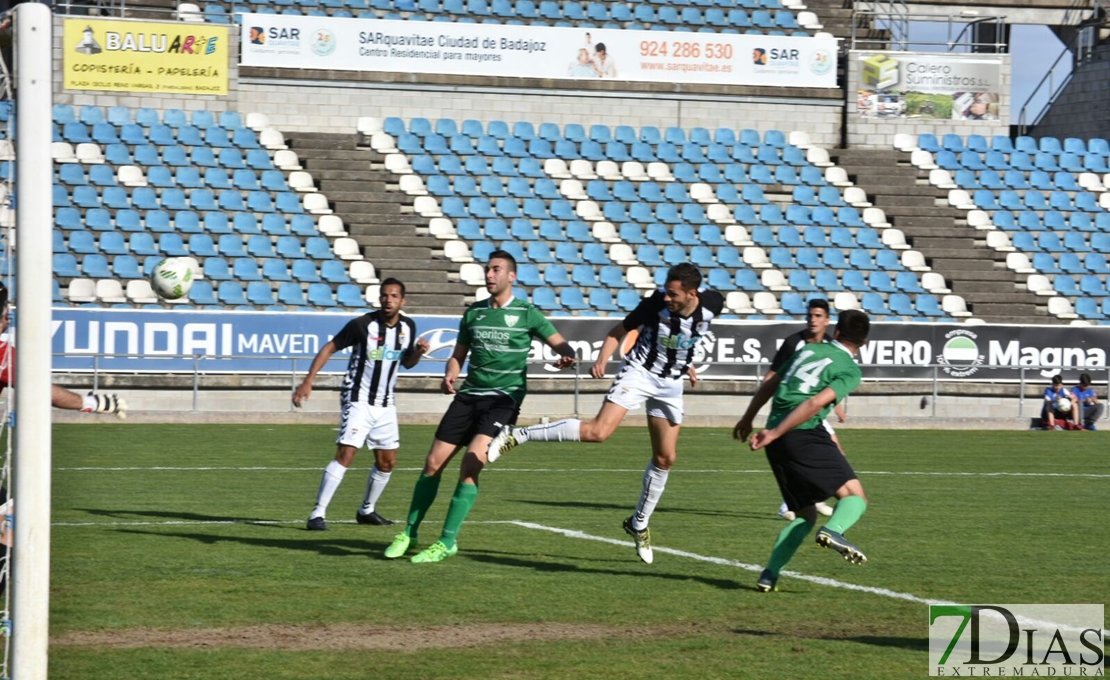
[172,277]
[1063,404]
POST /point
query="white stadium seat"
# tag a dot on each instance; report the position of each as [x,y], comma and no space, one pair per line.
[875,217]
[556,168]
[800,139]
[756,257]
[621,253]
[413,185]
[980,220]
[1091,182]
[660,172]
[140,292]
[442,228]
[1061,308]
[582,169]
[702,193]
[187,11]
[934,283]
[609,170]
[942,179]
[845,300]
[573,189]
[809,20]
[82,290]
[720,213]
[773,279]
[640,277]
[894,238]
[383,142]
[837,176]
[588,210]
[271,138]
[90,153]
[954,305]
[1039,285]
[427,206]
[1019,263]
[332,225]
[7,150]
[819,156]
[766,303]
[110,290]
[914,261]
[369,125]
[317,204]
[739,302]
[856,197]
[301,181]
[457,251]
[1000,241]
[398,164]
[737,235]
[472,274]
[286,159]
[605,232]
[131,176]
[346,249]
[921,158]
[904,141]
[363,272]
[62,152]
[634,171]
[960,199]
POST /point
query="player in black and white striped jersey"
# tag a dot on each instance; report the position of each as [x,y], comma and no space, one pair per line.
[381,342]
[670,324]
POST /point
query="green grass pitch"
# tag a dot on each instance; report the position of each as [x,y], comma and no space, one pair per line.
[179,551]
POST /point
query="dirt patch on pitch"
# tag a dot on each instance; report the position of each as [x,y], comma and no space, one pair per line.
[342,637]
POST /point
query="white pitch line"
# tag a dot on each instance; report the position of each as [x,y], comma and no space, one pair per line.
[819,580]
[757,471]
[267,522]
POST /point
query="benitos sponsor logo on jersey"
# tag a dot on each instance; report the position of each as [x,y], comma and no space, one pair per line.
[145,56]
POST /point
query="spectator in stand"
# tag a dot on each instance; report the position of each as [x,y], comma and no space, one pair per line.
[1087,404]
[1060,410]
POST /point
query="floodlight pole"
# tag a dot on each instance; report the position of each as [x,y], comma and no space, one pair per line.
[31,552]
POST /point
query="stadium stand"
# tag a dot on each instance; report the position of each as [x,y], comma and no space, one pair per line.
[1040,204]
[196,186]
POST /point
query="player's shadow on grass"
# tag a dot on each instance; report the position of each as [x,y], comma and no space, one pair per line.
[912,644]
[624,508]
[504,559]
[179,516]
[328,547]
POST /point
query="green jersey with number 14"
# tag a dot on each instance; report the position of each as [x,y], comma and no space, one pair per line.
[812,369]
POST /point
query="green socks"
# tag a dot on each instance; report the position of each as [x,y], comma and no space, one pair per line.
[461,503]
[423,495]
[848,511]
[787,544]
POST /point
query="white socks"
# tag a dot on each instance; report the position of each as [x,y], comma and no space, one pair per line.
[559,431]
[655,480]
[333,475]
[375,485]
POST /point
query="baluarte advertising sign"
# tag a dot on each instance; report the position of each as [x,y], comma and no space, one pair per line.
[272,342]
[896,85]
[145,56]
[305,42]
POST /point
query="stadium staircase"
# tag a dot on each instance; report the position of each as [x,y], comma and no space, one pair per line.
[993,293]
[376,218]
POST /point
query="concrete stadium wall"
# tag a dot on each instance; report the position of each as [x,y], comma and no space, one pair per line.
[335,107]
[1082,109]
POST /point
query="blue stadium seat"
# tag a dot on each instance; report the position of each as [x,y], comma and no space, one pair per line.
[350,295]
[305,271]
[95,266]
[142,244]
[202,245]
[571,298]
[545,298]
[334,271]
[602,300]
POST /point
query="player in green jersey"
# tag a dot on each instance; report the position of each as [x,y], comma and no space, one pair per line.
[497,334]
[808,465]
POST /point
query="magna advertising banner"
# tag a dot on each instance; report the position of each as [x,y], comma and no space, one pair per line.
[929,86]
[145,56]
[168,341]
[330,43]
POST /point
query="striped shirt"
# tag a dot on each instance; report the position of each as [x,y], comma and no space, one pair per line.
[665,342]
[376,353]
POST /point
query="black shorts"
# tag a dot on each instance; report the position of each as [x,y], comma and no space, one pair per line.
[471,415]
[808,466]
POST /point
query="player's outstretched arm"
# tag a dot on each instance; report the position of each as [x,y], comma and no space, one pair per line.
[454,367]
[743,428]
[801,413]
[92,402]
[413,358]
[608,346]
[566,353]
[304,390]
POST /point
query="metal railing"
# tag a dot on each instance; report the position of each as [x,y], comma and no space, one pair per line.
[930,377]
[896,20]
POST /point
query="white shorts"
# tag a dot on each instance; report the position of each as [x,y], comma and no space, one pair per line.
[374,426]
[634,386]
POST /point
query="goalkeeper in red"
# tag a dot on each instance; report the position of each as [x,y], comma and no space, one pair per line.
[807,463]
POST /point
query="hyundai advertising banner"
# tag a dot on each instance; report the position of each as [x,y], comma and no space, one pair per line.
[305,42]
[169,341]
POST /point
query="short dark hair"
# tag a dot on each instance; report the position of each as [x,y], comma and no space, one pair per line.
[393,282]
[853,326]
[1057,379]
[3,296]
[600,47]
[818,303]
[686,274]
[504,255]
[1084,378]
